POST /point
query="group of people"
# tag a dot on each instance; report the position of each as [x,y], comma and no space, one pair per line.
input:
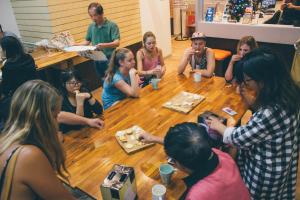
[33,113]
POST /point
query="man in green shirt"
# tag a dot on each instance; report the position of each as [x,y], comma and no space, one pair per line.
[102,33]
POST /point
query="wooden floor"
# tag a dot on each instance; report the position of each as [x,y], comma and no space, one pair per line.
[171,65]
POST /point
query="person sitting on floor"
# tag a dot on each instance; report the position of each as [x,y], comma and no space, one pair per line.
[150,61]
[77,98]
[268,145]
[30,152]
[200,57]
[245,45]
[121,78]
[212,174]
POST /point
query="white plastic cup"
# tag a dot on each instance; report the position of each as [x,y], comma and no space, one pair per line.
[197,77]
[159,192]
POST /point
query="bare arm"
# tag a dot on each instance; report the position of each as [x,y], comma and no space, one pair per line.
[83,43]
[34,170]
[80,98]
[73,119]
[292,6]
[210,57]
[148,138]
[229,71]
[162,62]
[113,44]
[130,90]
[185,60]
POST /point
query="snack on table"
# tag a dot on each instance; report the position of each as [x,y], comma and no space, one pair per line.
[184,102]
[129,139]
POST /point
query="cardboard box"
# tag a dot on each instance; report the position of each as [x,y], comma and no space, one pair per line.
[120,184]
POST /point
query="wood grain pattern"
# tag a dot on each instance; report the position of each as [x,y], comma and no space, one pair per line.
[39,19]
[91,153]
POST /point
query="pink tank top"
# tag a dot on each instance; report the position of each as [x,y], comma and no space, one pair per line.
[150,63]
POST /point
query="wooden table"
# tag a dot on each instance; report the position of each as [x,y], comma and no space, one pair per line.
[43,59]
[91,153]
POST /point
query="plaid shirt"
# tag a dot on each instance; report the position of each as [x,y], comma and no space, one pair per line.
[268,153]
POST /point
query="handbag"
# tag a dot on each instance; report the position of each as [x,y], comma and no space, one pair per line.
[9,174]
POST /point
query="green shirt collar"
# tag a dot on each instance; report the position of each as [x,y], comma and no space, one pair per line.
[103,25]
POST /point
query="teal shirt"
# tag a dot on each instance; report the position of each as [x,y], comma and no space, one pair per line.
[110,93]
[107,32]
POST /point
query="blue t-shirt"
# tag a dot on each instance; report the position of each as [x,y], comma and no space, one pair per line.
[110,93]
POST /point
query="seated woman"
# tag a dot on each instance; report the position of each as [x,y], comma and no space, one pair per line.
[77,98]
[18,67]
[200,57]
[268,144]
[212,174]
[121,78]
[150,61]
[245,45]
[30,137]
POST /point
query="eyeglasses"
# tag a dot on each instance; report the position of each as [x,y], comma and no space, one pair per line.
[73,83]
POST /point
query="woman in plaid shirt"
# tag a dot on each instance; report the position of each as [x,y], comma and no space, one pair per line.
[269,144]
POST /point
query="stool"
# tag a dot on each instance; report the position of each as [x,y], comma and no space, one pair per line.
[222,58]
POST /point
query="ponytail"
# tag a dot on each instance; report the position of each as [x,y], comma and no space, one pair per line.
[114,63]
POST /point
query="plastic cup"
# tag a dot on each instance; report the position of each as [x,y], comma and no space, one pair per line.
[159,192]
[197,77]
[166,171]
[154,83]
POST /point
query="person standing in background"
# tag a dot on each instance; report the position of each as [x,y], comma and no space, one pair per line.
[102,33]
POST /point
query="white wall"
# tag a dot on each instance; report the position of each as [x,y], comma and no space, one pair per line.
[7,17]
[155,17]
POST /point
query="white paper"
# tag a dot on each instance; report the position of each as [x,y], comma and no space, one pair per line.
[79,48]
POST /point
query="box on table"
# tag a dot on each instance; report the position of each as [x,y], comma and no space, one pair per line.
[120,184]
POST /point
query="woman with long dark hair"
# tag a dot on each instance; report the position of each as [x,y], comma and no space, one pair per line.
[18,67]
[77,98]
[268,144]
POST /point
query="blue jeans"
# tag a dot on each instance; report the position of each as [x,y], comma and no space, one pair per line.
[101,67]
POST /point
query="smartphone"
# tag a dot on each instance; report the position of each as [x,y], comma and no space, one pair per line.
[229,111]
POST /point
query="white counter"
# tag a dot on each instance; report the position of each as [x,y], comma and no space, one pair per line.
[282,34]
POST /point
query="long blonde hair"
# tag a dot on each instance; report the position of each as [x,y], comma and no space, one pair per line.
[114,63]
[31,121]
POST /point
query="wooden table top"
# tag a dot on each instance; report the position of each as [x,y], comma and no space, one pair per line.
[44,59]
[91,153]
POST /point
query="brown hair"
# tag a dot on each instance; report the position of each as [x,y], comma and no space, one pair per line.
[248,40]
[97,6]
[114,63]
[146,35]
[31,122]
